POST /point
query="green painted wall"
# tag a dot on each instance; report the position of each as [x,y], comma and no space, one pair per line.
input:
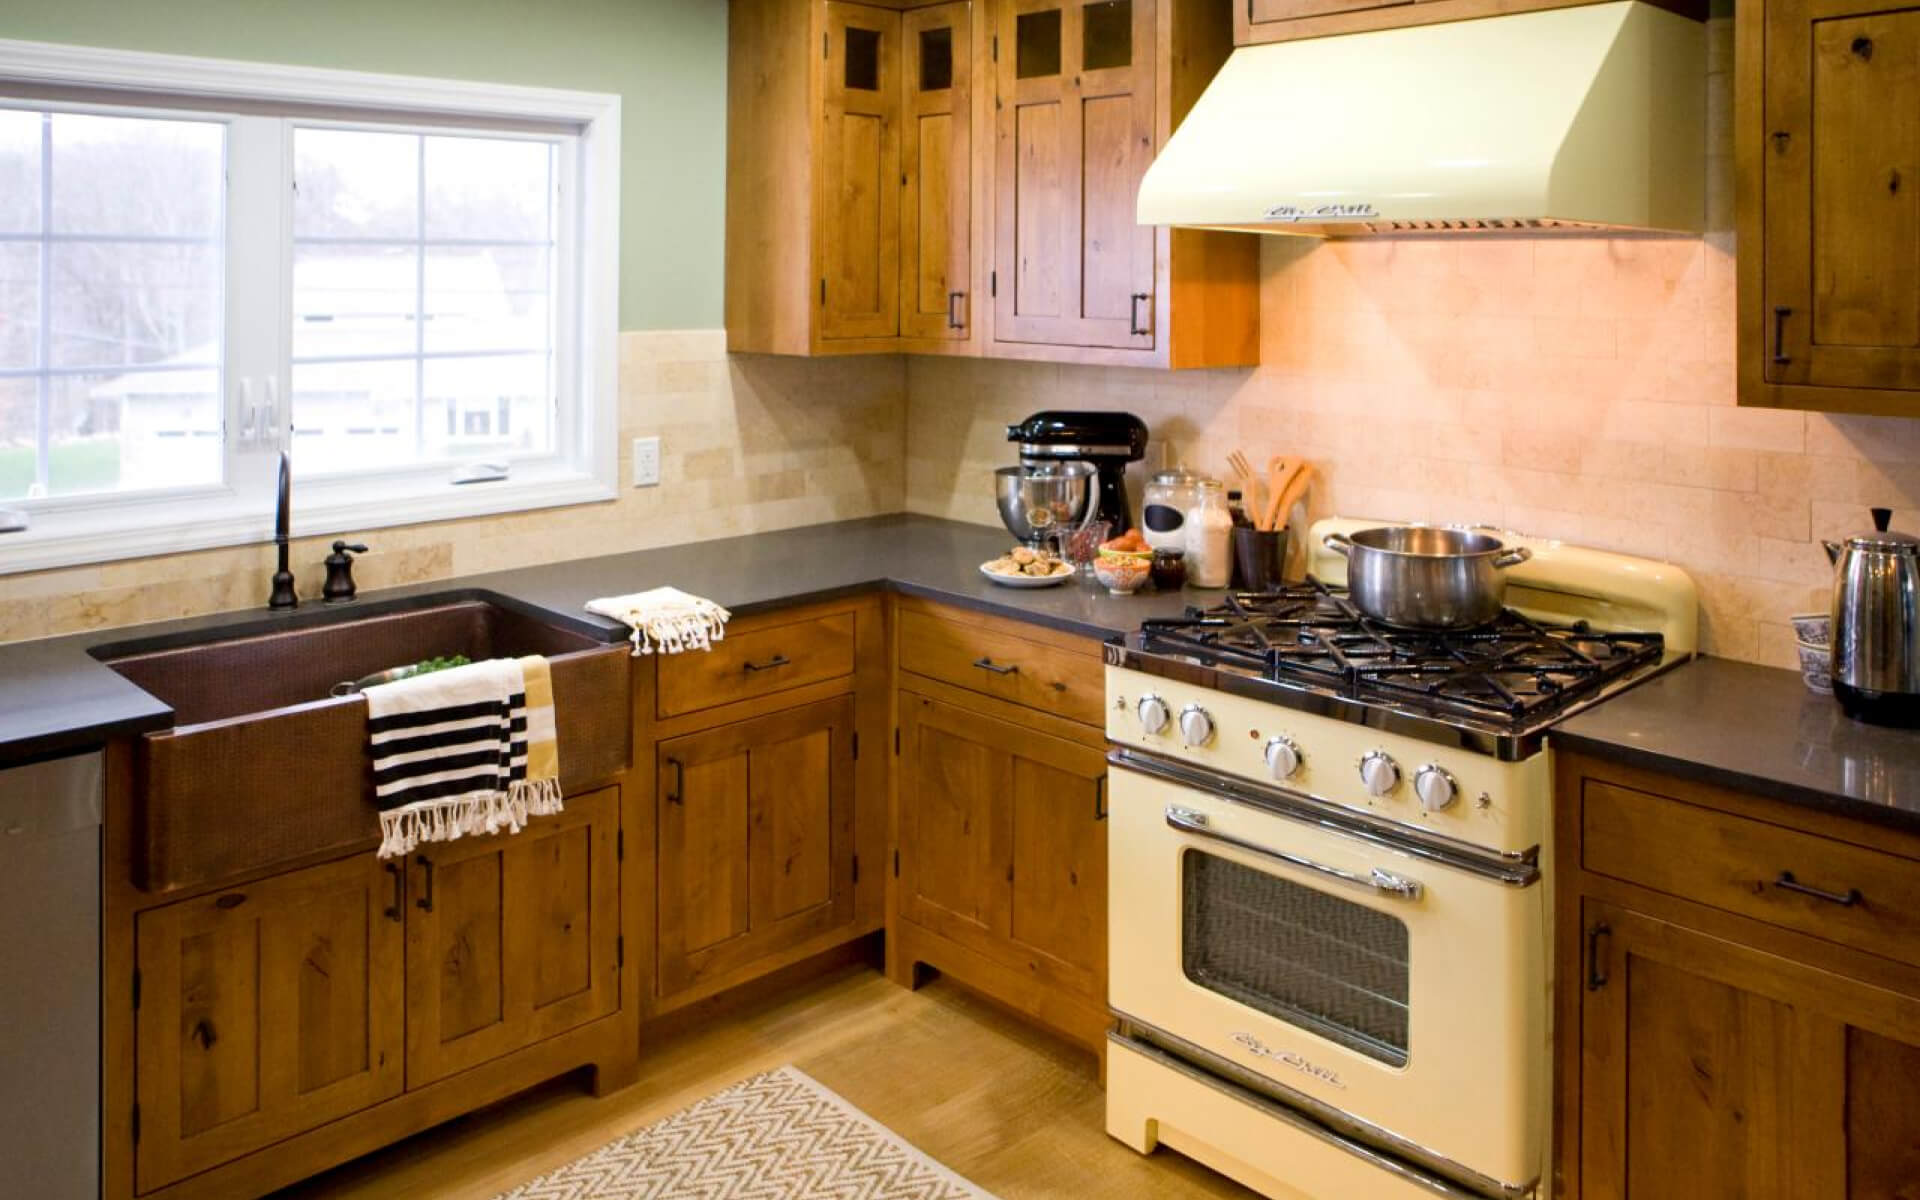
[666,58]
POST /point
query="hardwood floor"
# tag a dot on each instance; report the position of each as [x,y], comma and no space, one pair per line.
[1016,1112]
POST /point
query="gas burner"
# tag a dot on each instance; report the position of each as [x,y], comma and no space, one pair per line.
[1514,670]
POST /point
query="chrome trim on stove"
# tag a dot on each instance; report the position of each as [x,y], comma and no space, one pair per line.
[1520,869]
[1386,883]
[1452,730]
[1410,1162]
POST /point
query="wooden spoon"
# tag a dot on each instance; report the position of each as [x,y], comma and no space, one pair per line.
[1281,472]
[1296,488]
[1249,484]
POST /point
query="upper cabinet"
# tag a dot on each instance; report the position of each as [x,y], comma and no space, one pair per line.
[965,176]
[1828,206]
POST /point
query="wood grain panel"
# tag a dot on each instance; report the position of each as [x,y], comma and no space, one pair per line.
[792,806]
[219,1027]
[1065,682]
[857,239]
[333,958]
[757,661]
[1882,1122]
[703,841]
[469,972]
[560,881]
[1043,202]
[955,780]
[1059,904]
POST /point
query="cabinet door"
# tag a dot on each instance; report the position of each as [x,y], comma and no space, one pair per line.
[265,1011]
[1841,187]
[1738,1072]
[1075,117]
[756,840]
[936,172]
[857,205]
[1057,919]
[513,938]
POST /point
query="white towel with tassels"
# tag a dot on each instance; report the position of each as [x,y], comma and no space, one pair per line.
[451,752]
[665,620]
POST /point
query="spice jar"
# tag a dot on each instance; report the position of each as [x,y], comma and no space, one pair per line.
[1209,530]
[1169,572]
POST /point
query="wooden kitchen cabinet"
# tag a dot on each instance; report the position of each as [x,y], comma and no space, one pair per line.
[512,940]
[1723,1024]
[756,841]
[1257,21]
[1828,205]
[266,1010]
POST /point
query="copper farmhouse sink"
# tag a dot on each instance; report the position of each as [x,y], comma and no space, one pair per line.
[265,767]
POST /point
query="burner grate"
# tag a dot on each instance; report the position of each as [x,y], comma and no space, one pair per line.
[1514,669]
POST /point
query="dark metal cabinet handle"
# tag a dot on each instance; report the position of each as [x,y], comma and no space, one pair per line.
[1846,899]
[1100,798]
[426,900]
[231,900]
[1137,326]
[399,892]
[679,781]
[778,660]
[1596,965]
[1780,315]
[987,664]
[954,320]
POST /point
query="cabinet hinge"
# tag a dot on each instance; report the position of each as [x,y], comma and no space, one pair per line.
[856,746]
[996,43]
[825,43]
[620,951]
[1249,11]
[136,988]
[136,1124]
[856,868]
[1009,872]
[896,739]
[993,283]
[620,845]
[896,863]
[823,291]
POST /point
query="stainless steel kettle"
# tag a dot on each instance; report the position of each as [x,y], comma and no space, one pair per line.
[1876,624]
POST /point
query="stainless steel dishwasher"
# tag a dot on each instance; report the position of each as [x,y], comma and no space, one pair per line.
[50,979]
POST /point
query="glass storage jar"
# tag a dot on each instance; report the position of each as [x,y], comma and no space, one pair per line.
[1209,536]
[1163,508]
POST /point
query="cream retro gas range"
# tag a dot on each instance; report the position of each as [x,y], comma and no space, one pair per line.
[1328,920]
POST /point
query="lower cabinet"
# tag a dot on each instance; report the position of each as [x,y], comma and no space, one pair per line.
[1003,859]
[755,829]
[270,1009]
[512,940]
[265,1011]
[1722,1071]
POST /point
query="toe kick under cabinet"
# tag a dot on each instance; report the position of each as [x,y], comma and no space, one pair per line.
[1737,991]
[1000,875]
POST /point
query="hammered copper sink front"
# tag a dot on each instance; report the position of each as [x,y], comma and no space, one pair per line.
[264,767]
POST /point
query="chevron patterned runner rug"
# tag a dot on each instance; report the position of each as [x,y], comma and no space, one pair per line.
[777,1136]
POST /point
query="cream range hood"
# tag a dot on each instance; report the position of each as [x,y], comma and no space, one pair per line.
[1580,118]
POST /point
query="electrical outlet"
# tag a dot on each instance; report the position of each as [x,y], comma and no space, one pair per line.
[646,462]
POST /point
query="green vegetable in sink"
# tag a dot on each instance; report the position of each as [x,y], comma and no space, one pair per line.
[445,663]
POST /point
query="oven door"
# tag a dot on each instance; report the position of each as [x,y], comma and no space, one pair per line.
[1400,992]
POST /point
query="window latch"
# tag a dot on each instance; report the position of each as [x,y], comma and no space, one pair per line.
[14,520]
[480,472]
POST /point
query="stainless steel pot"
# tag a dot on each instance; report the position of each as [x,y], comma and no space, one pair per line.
[1042,500]
[1875,636]
[1427,576]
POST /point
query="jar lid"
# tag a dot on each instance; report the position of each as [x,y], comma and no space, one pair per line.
[1173,475]
[1210,485]
[1169,552]
[1883,540]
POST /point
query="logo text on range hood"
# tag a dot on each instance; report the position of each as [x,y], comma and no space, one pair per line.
[1293,213]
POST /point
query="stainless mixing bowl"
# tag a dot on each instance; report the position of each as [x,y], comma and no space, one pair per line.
[1040,500]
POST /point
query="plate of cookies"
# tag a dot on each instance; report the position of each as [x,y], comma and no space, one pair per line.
[1026,567]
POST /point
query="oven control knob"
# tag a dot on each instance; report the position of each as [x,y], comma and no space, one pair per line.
[1283,757]
[1379,772]
[1435,788]
[1196,725]
[1153,715]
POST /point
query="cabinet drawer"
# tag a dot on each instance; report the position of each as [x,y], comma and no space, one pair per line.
[1063,682]
[1834,890]
[757,662]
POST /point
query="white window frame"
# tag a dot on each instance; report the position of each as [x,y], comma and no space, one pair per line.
[582,468]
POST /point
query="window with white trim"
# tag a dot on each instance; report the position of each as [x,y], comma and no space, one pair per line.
[406,286]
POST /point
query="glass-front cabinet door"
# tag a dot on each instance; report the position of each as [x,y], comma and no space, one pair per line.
[936,173]
[857,238]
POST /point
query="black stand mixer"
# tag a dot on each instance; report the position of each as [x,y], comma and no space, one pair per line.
[1108,441]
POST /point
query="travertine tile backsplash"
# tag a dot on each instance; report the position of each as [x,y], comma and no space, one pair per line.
[749,443]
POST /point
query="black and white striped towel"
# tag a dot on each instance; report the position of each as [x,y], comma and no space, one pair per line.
[450,755]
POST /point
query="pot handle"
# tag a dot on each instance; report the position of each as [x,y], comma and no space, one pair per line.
[1512,558]
[1339,543]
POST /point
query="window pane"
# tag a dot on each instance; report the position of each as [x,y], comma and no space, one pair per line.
[135,429]
[354,300]
[19,171]
[137,176]
[1037,41]
[356,183]
[135,303]
[18,437]
[1106,35]
[487,299]
[492,190]
[19,304]
[936,59]
[488,405]
[863,59]
[353,416]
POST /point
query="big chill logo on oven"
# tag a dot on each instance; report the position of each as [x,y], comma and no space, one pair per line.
[1295,213]
[1290,1059]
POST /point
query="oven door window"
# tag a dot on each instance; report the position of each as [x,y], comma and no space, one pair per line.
[1310,958]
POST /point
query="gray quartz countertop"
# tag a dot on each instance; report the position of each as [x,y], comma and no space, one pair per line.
[56,696]
[1759,730]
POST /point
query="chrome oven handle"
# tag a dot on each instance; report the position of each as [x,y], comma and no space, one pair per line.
[1377,880]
